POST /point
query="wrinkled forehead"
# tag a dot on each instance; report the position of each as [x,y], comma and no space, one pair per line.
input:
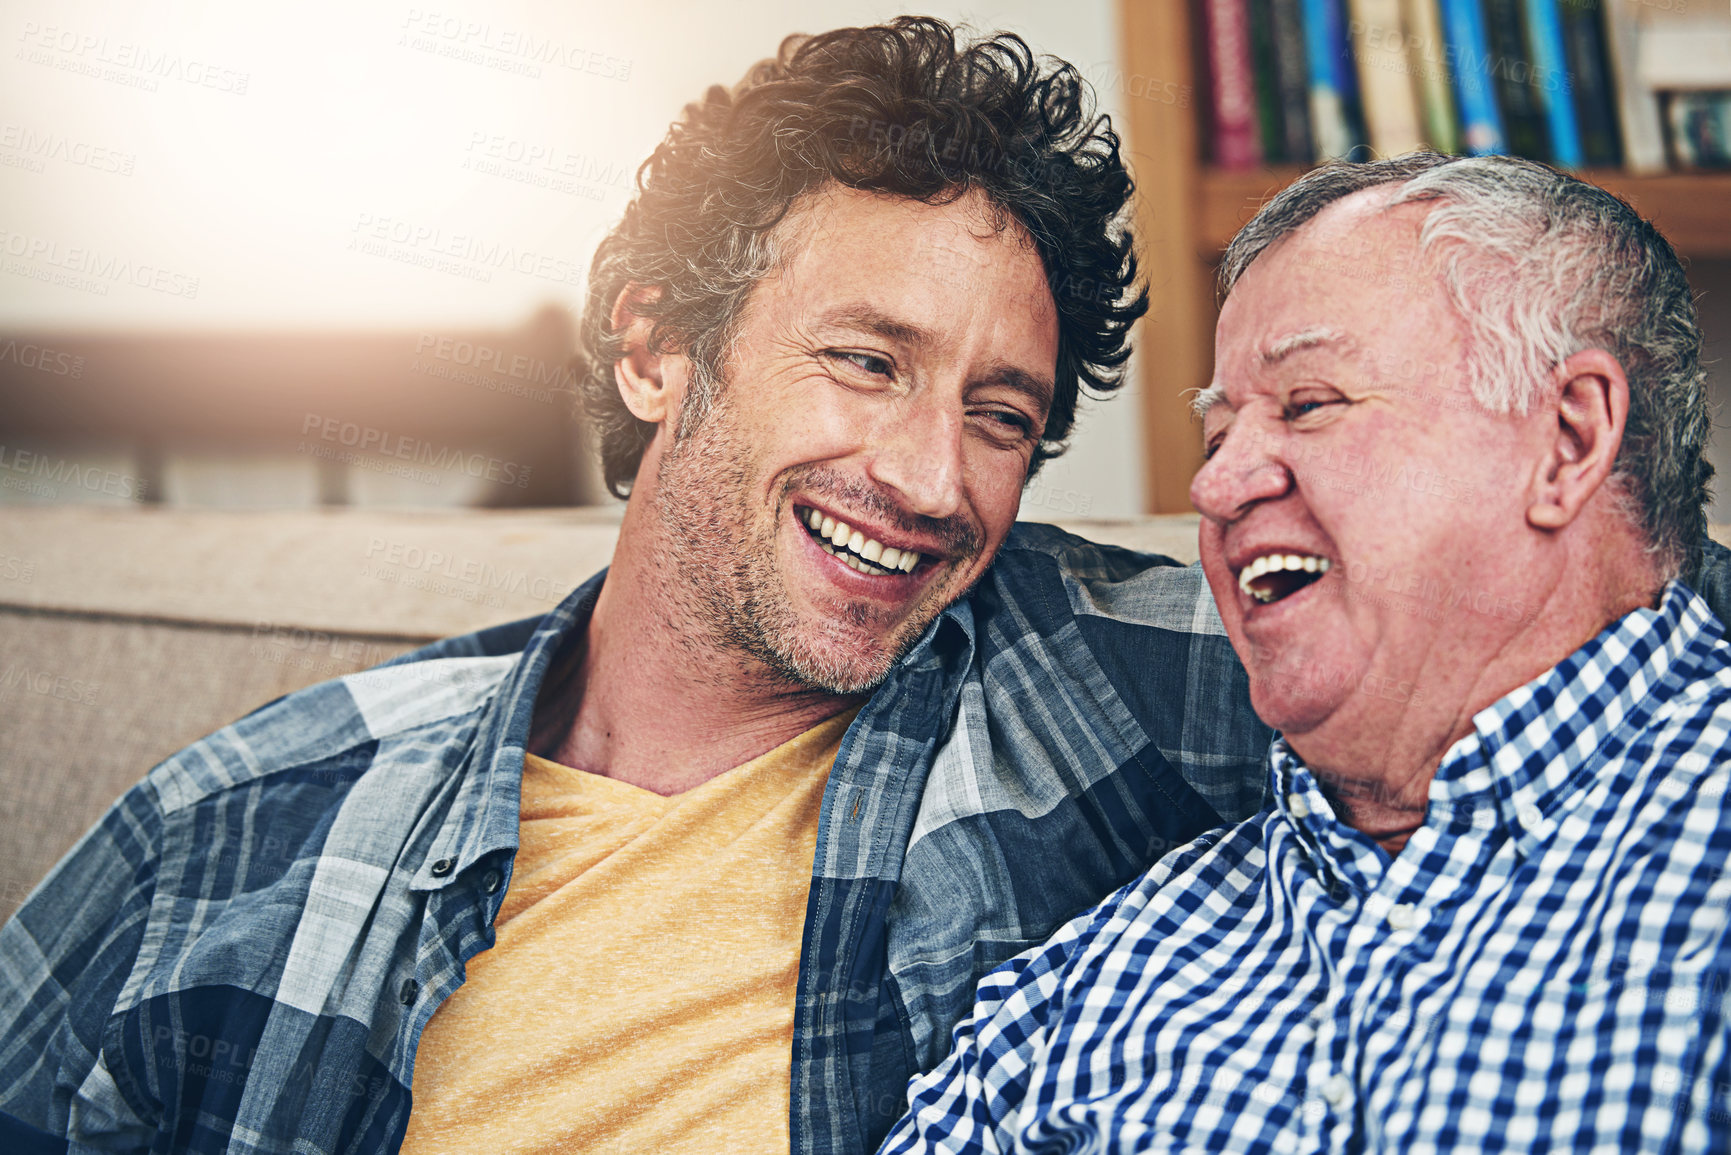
[1354,277]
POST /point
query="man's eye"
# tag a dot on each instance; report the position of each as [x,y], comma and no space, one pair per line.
[1007,424]
[1303,407]
[868,362]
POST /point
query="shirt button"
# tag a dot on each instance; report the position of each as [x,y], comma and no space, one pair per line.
[409,992]
[443,867]
[1299,805]
[491,882]
[1402,916]
[1529,816]
[1336,1088]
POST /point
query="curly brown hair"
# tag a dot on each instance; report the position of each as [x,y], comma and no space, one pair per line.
[899,108]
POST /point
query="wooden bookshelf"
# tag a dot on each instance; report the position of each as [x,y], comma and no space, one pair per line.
[1186,213]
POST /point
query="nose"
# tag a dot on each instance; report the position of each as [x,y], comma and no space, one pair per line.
[918,453]
[1248,466]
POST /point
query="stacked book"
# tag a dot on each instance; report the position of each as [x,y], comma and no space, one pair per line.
[1642,84]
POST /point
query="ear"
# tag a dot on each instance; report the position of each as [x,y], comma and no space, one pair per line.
[652,384]
[1592,407]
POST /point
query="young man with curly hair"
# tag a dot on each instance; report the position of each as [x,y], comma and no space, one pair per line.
[712,856]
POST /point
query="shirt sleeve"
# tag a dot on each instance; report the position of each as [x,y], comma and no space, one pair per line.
[971,1101]
[65,956]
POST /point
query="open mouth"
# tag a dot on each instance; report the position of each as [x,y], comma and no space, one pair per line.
[865,554]
[1274,576]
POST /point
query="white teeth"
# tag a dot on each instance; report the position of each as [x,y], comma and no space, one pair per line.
[865,554]
[1275,562]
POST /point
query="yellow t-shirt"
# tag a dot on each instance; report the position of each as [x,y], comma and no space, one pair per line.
[639,996]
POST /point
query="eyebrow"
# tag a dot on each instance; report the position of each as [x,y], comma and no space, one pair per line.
[873,320]
[1276,352]
[1036,389]
[1279,350]
[1205,400]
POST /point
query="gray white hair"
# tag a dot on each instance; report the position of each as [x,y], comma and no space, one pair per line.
[1540,266]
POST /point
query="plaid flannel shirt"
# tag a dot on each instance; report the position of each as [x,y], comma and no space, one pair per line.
[242,954]
[1544,967]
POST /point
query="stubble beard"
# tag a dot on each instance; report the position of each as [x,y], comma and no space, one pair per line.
[732,591]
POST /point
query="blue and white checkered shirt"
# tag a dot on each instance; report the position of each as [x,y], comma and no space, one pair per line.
[1542,968]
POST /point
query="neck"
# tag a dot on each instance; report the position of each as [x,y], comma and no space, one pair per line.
[645,694]
[1375,760]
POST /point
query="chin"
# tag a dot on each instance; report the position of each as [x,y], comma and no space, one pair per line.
[834,670]
[835,656]
[1288,706]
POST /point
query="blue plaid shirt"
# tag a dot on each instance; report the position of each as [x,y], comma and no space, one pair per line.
[1543,967]
[242,955]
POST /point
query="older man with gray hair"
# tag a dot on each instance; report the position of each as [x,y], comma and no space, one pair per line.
[1453,504]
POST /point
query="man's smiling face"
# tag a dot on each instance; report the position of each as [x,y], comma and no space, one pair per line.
[866,453]
[1357,503]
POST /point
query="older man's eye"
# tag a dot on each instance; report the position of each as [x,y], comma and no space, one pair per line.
[1300,407]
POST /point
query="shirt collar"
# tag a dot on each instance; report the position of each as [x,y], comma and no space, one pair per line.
[1532,749]
[483,817]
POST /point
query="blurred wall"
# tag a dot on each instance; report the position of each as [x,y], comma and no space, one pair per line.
[326,168]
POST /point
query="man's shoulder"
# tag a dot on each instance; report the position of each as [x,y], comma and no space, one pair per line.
[1041,562]
[414,696]
[1690,729]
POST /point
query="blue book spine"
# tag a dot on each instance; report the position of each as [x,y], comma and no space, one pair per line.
[1551,77]
[1470,64]
[1333,81]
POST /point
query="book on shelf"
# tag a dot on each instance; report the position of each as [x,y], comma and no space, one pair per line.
[1594,96]
[1292,80]
[1551,83]
[1235,140]
[1377,35]
[1510,66]
[1260,16]
[1427,56]
[1481,120]
[1334,110]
